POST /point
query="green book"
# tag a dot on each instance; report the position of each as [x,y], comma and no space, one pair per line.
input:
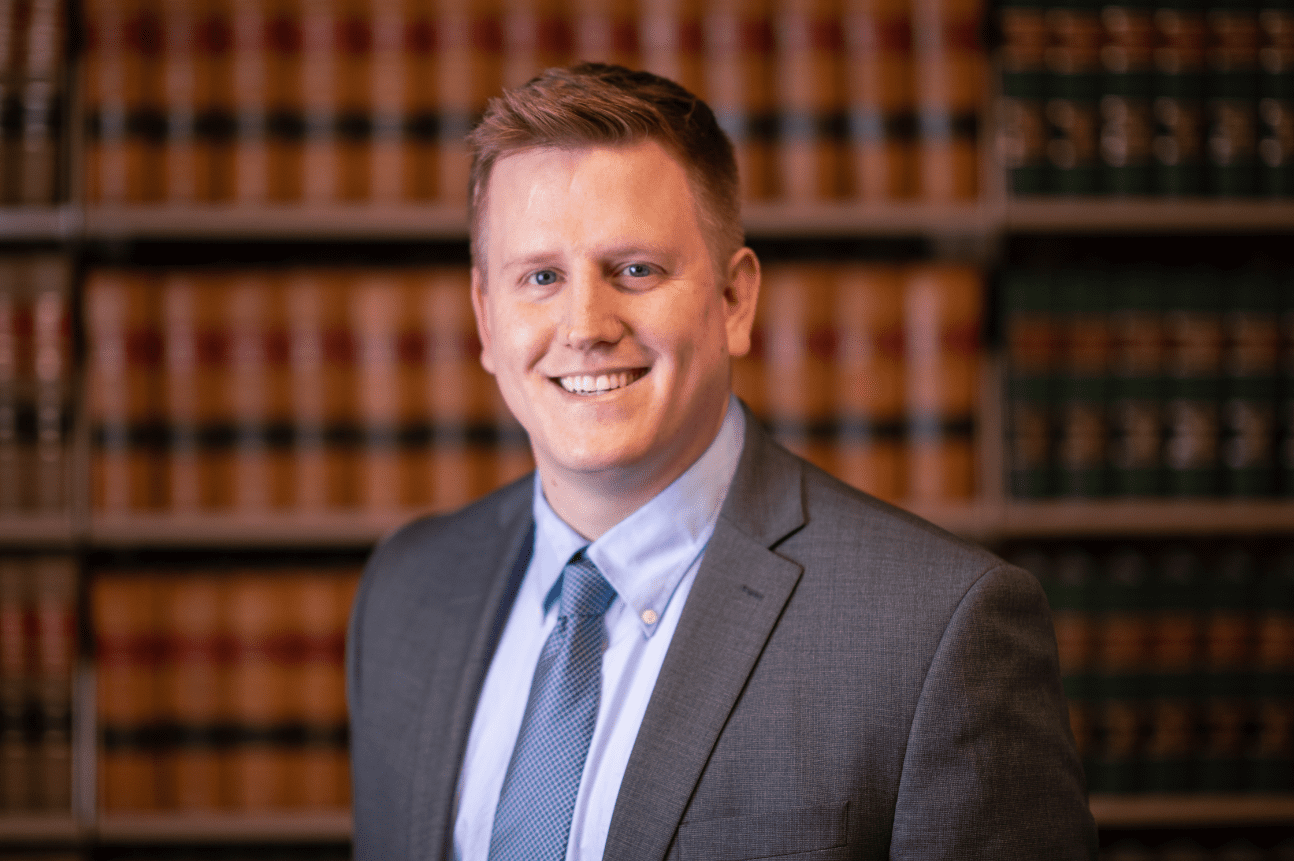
[1136,383]
[1178,98]
[1082,313]
[1251,361]
[1029,327]
[1176,608]
[1231,99]
[1193,325]
[1073,94]
[1127,123]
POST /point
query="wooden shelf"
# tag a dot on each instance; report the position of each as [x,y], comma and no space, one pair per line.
[846,219]
[1143,517]
[39,223]
[324,529]
[289,221]
[36,529]
[320,827]
[1153,811]
[39,827]
[1146,215]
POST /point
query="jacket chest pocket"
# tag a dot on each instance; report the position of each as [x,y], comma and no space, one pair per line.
[780,834]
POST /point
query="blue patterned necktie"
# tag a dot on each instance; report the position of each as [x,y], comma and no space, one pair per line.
[533,819]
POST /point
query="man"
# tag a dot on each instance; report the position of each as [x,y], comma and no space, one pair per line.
[677,640]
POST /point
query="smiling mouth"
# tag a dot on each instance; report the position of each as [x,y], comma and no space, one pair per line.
[596,384]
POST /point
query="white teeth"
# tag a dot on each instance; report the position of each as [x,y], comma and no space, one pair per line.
[587,384]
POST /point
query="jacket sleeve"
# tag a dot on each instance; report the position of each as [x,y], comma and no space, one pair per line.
[990,769]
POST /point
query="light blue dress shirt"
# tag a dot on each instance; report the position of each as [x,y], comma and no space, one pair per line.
[651,558]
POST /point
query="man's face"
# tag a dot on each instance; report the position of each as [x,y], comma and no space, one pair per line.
[601,315]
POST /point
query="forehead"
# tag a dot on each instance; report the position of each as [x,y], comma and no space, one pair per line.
[586,195]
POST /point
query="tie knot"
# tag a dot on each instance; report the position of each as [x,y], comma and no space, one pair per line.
[585,592]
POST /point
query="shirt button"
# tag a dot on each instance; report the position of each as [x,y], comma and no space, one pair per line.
[649,617]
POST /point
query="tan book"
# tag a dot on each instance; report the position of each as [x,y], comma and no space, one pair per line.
[41,97]
[798,322]
[942,321]
[459,393]
[322,775]
[739,87]
[949,85]
[16,757]
[809,81]
[322,388]
[125,617]
[247,164]
[54,601]
[193,688]
[118,86]
[869,376]
[605,31]
[319,101]
[536,36]
[401,151]
[879,99]
[49,282]
[470,51]
[43,36]
[261,611]
[121,385]
[671,42]
[380,308]
[188,170]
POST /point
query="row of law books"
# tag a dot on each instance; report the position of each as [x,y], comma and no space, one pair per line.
[293,389]
[1163,97]
[221,687]
[369,100]
[36,370]
[38,625]
[312,390]
[1178,659]
[1177,848]
[33,38]
[871,371]
[1149,382]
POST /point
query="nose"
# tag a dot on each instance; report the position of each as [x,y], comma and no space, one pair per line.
[592,311]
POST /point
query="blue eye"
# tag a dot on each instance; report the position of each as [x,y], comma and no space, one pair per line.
[638,270]
[544,277]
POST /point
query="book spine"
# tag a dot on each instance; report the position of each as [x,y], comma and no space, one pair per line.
[1029,326]
[1250,362]
[124,614]
[948,65]
[51,365]
[1176,631]
[182,372]
[1136,385]
[1126,122]
[536,36]
[1068,577]
[942,321]
[323,605]
[121,381]
[248,98]
[261,691]
[808,75]
[15,458]
[868,371]
[319,351]
[1081,444]
[671,42]
[1120,663]
[799,344]
[1178,147]
[396,154]
[1270,766]
[739,87]
[1276,100]
[193,688]
[1073,90]
[1231,99]
[455,389]
[377,313]
[42,99]
[283,48]
[320,101]
[15,659]
[1228,657]
[605,31]
[353,44]
[471,72]
[53,590]
[1022,120]
[880,118]
[1193,328]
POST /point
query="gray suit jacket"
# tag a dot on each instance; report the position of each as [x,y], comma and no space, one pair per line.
[846,682]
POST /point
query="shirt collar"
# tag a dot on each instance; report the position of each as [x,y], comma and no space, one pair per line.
[645,555]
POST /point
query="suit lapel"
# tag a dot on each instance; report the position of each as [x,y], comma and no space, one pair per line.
[480,617]
[735,602]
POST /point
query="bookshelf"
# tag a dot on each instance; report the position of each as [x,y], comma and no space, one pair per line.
[973,229]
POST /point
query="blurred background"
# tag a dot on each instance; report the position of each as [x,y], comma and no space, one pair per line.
[1028,273]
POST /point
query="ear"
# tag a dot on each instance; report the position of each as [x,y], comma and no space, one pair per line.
[482,319]
[740,297]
